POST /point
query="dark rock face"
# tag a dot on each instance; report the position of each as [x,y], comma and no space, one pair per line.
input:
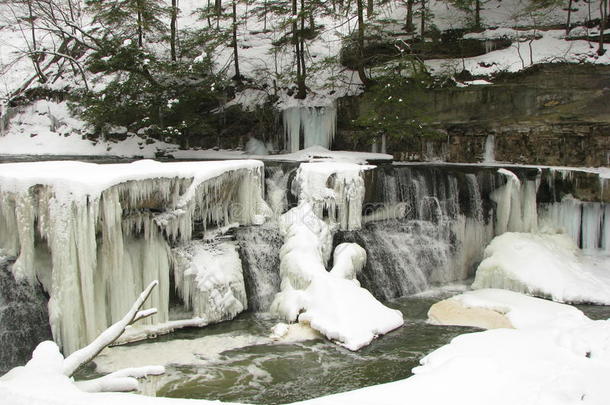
[259,251]
[24,321]
[554,114]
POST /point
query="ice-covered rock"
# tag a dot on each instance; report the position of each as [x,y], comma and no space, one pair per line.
[335,188]
[545,265]
[209,279]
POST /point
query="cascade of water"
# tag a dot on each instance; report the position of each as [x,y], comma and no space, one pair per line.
[259,249]
[489,153]
[317,125]
[403,257]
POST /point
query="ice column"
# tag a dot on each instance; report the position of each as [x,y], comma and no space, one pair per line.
[336,189]
[317,125]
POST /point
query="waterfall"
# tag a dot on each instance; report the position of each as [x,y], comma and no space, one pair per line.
[315,125]
[23,318]
[259,249]
[403,257]
[489,153]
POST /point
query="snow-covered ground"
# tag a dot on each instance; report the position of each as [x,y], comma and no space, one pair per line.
[43,127]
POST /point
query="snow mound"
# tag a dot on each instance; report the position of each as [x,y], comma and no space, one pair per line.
[495,308]
[331,302]
[546,265]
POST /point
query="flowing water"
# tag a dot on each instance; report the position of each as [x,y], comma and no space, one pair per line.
[236,361]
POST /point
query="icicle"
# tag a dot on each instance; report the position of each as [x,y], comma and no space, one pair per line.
[316,124]
[342,201]
[95,251]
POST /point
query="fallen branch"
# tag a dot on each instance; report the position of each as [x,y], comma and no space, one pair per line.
[81,357]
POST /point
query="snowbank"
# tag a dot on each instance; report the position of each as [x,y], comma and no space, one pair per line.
[494,308]
[546,265]
[331,302]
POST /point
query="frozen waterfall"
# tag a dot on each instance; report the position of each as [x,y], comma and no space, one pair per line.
[309,126]
[95,235]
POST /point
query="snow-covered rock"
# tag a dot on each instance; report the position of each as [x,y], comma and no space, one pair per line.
[209,279]
[545,265]
[331,302]
[495,308]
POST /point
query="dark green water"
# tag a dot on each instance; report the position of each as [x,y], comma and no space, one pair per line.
[273,373]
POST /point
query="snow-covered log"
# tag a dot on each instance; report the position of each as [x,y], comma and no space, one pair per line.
[82,356]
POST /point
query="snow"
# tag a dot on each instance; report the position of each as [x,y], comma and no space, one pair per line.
[73,179]
[545,265]
[49,128]
[518,310]
[548,47]
[332,302]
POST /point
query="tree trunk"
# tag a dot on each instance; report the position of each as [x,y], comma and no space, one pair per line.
[423,19]
[569,17]
[409,23]
[140,28]
[602,26]
[361,73]
[34,55]
[369,8]
[173,26]
[235,52]
[302,89]
[477,14]
[217,11]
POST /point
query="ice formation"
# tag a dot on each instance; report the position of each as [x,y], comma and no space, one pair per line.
[516,205]
[95,235]
[334,188]
[546,265]
[331,302]
[315,125]
[586,223]
[209,279]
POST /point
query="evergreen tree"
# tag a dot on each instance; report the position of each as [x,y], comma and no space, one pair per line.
[129,19]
